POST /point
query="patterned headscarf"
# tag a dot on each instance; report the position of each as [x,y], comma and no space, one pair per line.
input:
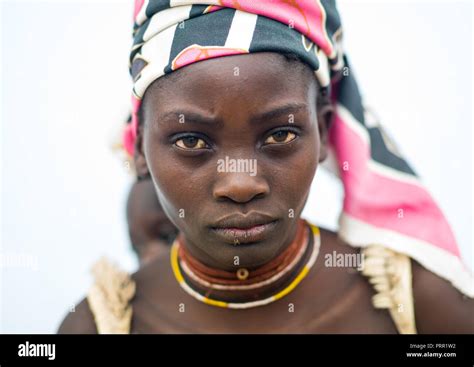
[384,201]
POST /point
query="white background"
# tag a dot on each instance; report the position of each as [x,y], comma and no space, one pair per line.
[65,90]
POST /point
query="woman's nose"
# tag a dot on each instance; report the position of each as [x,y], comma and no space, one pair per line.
[240,187]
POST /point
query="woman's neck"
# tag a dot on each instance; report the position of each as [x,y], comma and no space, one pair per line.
[245,285]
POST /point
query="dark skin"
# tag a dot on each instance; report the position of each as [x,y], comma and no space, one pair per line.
[328,300]
[150,230]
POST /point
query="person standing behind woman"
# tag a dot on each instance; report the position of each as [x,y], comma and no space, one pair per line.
[151,232]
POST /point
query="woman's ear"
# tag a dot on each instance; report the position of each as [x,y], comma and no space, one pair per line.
[325,116]
[141,165]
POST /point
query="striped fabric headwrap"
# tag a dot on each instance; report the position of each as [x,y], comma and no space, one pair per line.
[384,201]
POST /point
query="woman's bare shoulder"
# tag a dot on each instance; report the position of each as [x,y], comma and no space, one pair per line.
[79,320]
[439,307]
[154,282]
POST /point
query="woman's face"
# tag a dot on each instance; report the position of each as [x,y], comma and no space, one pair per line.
[232,145]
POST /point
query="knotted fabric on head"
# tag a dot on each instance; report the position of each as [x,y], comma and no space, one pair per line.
[384,201]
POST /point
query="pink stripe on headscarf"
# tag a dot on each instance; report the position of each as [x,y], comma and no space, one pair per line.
[196,53]
[377,199]
[307,17]
[130,133]
[138,6]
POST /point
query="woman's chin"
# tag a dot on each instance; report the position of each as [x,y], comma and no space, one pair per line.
[249,255]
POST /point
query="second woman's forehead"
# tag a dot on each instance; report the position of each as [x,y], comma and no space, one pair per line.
[229,85]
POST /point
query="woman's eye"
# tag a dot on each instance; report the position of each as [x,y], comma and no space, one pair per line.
[191,142]
[280,137]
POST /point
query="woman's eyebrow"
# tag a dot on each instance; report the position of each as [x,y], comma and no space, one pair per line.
[286,109]
[186,116]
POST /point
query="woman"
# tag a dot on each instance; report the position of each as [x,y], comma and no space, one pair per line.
[235,105]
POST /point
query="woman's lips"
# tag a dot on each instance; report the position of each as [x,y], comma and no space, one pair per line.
[236,236]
